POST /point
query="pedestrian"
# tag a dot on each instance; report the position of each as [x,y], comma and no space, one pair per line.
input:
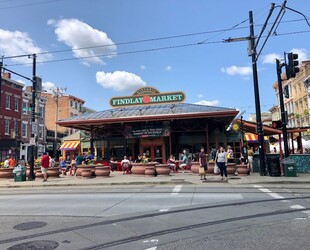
[45,162]
[221,161]
[73,168]
[250,160]
[203,163]
[230,155]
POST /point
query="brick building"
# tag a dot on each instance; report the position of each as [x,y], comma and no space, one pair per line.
[68,106]
[10,116]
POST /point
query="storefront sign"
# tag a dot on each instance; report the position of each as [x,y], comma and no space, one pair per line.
[156,130]
[145,96]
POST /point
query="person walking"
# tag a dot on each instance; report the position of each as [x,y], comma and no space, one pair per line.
[203,163]
[221,161]
[45,162]
[230,155]
[250,160]
[125,163]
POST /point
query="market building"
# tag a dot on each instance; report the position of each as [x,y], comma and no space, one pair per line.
[158,124]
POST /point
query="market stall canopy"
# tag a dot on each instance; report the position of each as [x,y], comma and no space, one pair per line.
[250,137]
[69,145]
[147,113]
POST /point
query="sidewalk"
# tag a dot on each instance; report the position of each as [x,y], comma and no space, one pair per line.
[117,178]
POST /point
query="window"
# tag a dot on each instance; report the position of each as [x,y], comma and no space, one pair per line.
[7,127]
[41,111]
[41,132]
[80,108]
[75,105]
[25,106]
[71,103]
[16,127]
[8,102]
[16,104]
[24,129]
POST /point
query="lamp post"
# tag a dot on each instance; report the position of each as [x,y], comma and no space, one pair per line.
[56,93]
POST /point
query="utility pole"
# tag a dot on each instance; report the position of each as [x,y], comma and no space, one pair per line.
[56,92]
[33,118]
[283,114]
[259,125]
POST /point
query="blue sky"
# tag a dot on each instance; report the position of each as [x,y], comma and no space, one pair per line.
[212,73]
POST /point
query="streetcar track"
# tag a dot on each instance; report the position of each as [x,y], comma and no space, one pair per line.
[190,227]
[153,215]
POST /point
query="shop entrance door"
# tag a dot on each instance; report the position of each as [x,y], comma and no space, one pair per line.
[153,152]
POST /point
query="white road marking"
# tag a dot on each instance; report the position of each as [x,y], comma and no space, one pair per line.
[152,248]
[297,207]
[177,189]
[267,191]
[163,210]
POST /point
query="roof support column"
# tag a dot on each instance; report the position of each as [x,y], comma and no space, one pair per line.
[92,139]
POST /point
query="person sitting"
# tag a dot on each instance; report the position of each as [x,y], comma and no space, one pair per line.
[171,162]
[125,163]
[63,166]
[184,161]
[73,167]
[144,158]
[79,159]
[112,164]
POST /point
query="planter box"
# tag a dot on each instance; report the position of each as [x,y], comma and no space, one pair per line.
[6,173]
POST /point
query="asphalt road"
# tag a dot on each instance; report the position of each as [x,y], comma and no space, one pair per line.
[210,216]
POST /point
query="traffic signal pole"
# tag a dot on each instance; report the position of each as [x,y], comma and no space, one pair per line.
[283,115]
[257,100]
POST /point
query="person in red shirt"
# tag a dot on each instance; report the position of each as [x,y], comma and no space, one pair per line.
[12,162]
[45,162]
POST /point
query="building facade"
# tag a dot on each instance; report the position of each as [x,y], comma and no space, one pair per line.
[296,102]
[10,116]
[29,128]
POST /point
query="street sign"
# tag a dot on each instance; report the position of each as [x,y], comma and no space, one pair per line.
[34,128]
[32,141]
[27,109]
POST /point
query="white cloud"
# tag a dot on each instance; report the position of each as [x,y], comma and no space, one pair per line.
[48,86]
[208,103]
[271,58]
[119,80]
[201,95]
[77,34]
[302,54]
[14,43]
[168,68]
[142,67]
[234,70]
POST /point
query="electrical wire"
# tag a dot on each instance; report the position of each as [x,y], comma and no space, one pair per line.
[29,4]
[145,50]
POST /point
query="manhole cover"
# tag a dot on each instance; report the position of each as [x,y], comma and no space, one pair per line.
[35,245]
[29,225]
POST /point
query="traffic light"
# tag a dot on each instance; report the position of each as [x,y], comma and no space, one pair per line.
[276,124]
[291,69]
[285,92]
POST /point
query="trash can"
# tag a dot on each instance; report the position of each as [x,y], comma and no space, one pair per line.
[289,167]
[19,173]
[273,164]
[256,163]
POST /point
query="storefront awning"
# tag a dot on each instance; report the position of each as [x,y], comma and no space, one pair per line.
[253,137]
[70,145]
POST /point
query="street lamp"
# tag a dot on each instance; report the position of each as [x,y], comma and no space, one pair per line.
[56,93]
